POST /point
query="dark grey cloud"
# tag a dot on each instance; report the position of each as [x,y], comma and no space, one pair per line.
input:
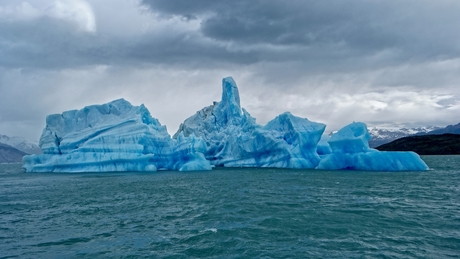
[335,32]
[332,61]
[314,36]
[321,35]
[45,43]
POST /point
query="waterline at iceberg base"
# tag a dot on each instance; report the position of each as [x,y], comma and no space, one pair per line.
[118,136]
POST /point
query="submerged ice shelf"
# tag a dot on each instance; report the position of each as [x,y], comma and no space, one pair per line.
[118,136]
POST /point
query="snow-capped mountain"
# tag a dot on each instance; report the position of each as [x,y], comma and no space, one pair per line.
[452,129]
[382,135]
[21,144]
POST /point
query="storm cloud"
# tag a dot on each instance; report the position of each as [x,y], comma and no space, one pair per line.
[380,62]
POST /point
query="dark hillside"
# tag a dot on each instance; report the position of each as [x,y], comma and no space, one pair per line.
[445,144]
[9,154]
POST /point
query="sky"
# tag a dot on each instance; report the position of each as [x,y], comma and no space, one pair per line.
[388,63]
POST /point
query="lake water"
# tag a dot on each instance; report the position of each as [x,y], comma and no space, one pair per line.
[232,213]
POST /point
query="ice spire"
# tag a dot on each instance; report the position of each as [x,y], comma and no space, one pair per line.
[230,94]
[229,108]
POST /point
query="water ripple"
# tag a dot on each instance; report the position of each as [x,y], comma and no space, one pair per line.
[233,213]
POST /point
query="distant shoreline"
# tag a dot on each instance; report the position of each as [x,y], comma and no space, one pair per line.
[445,144]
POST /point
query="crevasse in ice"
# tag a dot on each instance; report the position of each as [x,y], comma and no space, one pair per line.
[234,139]
[350,151]
[116,136]
[323,147]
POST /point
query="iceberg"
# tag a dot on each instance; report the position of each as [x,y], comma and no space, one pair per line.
[116,136]
[350,151]
[234,139]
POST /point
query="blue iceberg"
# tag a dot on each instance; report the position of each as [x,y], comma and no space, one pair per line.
[234,139]
[116,136]
[350,151]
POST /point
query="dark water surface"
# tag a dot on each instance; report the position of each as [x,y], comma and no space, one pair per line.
[232,213]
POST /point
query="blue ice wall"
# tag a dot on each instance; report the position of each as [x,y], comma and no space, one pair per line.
[116,136]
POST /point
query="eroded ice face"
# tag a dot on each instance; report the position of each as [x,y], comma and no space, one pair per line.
[116,136]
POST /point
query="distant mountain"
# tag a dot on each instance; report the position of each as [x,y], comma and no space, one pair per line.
[445,144]
[21,144]
[9,154]
[452,129]
[382,136]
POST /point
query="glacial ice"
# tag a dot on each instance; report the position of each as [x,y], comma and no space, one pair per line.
[116,136]
[350,151]
[234,139]
[323,147]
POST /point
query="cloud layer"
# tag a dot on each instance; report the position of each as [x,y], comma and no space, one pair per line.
[380,62]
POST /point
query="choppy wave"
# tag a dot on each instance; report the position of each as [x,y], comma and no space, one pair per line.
[233,213]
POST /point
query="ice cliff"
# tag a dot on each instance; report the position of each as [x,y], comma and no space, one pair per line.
[116,136]
[234,139]
[350,151]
